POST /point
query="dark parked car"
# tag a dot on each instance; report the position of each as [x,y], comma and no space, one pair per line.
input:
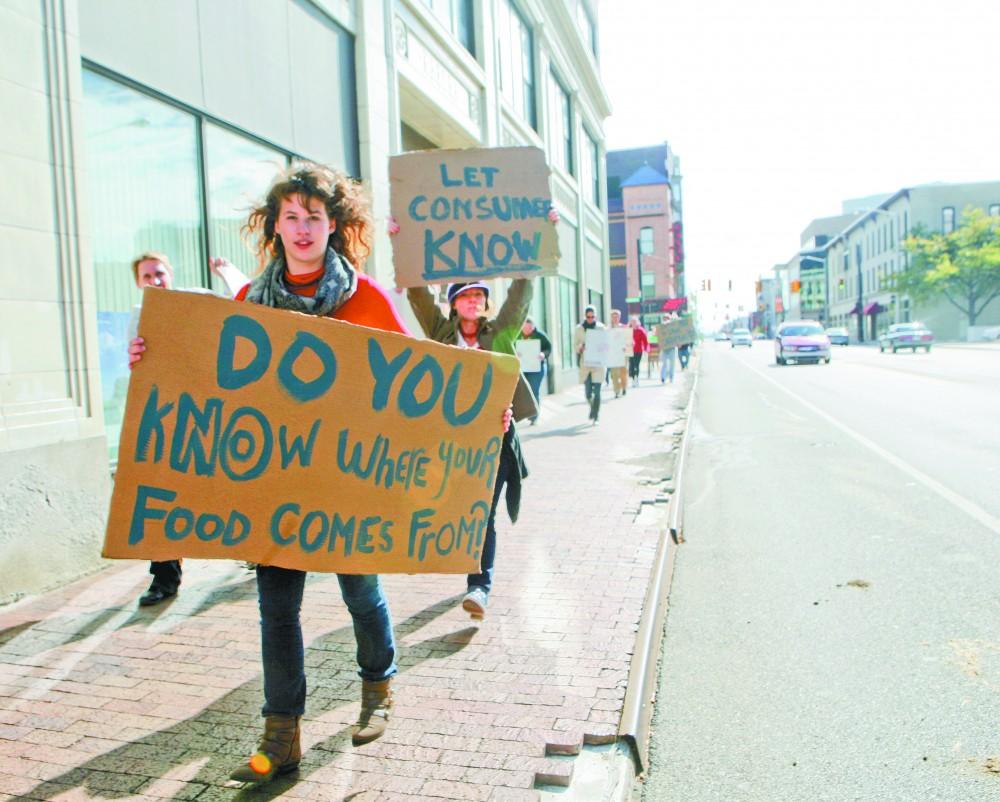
[906,335]
[838,336]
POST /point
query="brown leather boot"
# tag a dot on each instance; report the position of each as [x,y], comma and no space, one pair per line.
[376,699]
[279,751]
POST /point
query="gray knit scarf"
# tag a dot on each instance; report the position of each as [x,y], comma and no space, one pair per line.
[335,287]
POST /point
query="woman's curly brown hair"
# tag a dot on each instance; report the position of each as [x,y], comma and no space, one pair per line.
[345,199]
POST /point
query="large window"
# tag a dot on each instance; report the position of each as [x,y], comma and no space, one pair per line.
[238,171]
[146,185]
[590,169]
[517,62]
[560,125]
[457,17]
[569,316]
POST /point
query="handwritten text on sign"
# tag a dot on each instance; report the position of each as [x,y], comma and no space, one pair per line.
[471,214]
[284,439]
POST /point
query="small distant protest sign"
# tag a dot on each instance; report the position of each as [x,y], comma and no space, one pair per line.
[283,439]
[471,214]
[676,332]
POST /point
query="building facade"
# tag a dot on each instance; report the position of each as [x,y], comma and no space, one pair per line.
[154,126]
[863,258]
[645,226]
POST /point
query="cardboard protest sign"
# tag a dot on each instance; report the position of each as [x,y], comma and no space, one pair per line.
[597,347]
[529,352]
[621,345]
[284,439]
[468,215]
[676,332]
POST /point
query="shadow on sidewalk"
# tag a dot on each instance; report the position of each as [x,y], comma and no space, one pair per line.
[568,431]
[72,629]
[157,756]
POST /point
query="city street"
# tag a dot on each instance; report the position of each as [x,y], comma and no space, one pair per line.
[101,699]
[832,631]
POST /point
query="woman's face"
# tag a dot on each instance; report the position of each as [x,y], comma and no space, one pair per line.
[304,231]
[470,304]
[153,273]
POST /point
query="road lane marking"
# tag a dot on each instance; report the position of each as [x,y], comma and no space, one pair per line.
[970,508]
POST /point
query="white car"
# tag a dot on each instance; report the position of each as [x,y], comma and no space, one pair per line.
[800,341]
[741,337]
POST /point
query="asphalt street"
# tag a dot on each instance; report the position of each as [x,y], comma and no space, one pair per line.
[833,627]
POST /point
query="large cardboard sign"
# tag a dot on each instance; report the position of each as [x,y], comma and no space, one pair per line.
[283,439]
[675,332]
[468,215]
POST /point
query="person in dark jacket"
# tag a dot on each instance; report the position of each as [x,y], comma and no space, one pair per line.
[529,331]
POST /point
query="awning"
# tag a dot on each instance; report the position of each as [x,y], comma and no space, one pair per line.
[874,308]
[673,304]
[854,311]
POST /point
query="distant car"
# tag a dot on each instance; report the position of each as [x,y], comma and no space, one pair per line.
[721,337]
[906,335]
[801,341]
[741,337]
[759,335]
[838,336]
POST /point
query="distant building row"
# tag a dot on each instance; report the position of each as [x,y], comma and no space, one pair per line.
[844,265]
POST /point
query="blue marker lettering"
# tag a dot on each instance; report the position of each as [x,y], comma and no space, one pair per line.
[141,512]
[151,423]
[228,376]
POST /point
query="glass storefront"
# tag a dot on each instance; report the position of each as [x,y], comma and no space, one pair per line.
[238,171]
[569,316]
[145,180]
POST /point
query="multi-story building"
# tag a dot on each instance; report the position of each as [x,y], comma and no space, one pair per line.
[862,259]
[145,125]
[645,230]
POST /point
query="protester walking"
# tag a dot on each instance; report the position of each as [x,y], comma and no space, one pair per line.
[153,269]
[591,376]
[640,346]
[619,377]
[315,229]
[468,327]
[529,331]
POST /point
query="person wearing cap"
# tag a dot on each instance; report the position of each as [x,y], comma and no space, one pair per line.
[467,326]
[590,376]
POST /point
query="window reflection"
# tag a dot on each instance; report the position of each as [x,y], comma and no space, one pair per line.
[239,171]
[144,194]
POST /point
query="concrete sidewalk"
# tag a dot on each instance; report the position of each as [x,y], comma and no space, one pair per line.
[100,699]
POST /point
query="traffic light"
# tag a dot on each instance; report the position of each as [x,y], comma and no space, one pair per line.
[796,285]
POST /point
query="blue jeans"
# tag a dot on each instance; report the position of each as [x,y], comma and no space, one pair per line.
[484,579]
[535,382]
[279,592]
[667,364]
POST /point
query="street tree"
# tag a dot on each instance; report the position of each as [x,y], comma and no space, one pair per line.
[962,266]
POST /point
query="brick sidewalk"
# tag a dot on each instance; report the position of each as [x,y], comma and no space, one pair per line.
[100,699]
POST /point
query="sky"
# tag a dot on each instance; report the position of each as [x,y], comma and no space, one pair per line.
[780,110]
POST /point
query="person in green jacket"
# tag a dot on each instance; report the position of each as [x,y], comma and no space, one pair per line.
[467,326]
